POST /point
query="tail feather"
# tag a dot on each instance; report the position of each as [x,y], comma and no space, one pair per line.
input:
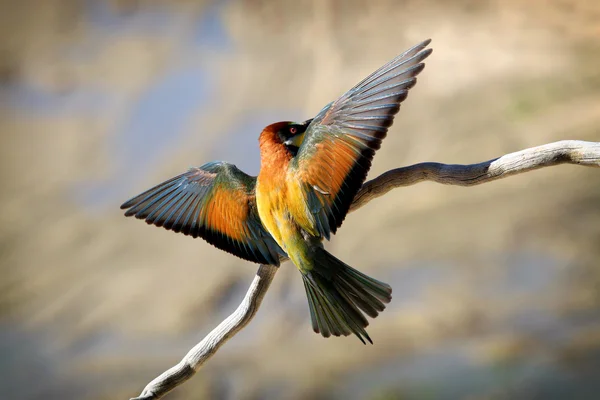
[363,300]
[381,290]
[338,295]
[324,322]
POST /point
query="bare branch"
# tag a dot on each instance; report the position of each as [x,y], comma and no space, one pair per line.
[200,353]
[563,152]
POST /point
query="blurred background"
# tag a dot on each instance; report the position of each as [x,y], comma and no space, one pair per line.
[496,287]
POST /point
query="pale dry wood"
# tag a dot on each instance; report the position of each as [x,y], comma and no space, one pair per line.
[563,152]
[200,353]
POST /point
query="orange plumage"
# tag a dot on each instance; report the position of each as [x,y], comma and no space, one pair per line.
[310,173]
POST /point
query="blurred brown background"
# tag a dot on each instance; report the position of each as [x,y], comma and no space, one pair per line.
[496,287]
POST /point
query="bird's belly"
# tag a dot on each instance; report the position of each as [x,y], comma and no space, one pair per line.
[274,212]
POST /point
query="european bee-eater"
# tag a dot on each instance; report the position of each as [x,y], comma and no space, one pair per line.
[310,173]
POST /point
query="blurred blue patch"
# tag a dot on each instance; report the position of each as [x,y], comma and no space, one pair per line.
[150,133]
[157,122]
[148,19]
[31,100]
[209,31]
[159,117]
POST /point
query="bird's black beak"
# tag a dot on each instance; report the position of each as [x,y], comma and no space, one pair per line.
[295,140]
[307,122]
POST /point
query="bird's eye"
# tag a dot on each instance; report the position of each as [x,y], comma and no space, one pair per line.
[293,130]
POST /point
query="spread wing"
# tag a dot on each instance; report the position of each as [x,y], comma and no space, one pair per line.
[216,202]
[333,161]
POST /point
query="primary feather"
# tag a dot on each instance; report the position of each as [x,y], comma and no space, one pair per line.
[216,202]
[339,144]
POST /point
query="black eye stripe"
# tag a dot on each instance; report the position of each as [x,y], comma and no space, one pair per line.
[291,130]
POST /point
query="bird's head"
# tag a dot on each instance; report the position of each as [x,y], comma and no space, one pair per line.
[285,133]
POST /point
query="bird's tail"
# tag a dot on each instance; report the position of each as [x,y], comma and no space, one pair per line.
[338,295]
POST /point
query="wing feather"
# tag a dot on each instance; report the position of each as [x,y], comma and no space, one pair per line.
[216,202]
[339,144]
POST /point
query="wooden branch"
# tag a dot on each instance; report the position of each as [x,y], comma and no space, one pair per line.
[204,350]
[563,152]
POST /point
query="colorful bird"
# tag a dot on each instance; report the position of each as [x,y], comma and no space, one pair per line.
[310,173]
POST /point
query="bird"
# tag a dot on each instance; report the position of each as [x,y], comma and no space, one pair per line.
[310,173]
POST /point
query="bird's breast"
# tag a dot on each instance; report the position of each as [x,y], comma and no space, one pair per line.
[271,204]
